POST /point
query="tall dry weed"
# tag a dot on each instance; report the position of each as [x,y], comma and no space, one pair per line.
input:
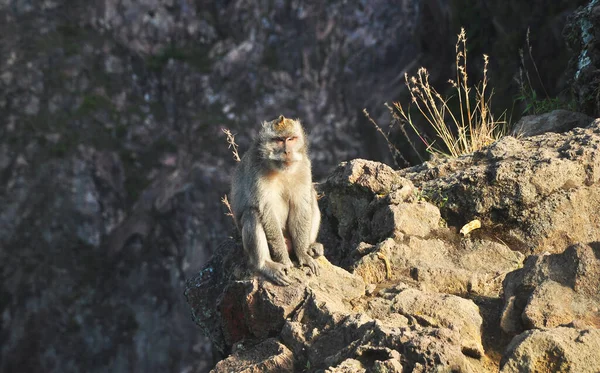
[462,122]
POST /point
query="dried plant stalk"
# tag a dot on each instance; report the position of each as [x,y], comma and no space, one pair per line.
[232,145]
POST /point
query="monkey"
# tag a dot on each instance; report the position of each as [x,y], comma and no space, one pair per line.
[274,202]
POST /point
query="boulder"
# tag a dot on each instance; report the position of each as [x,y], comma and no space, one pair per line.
[553,350]
[557,121]
[553,290]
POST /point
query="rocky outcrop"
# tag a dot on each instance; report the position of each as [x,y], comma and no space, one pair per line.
[541,189]
[326,323]
[413,293]
[383,228]
[329,321]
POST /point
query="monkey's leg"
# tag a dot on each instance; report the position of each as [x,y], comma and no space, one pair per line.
[315,249]
[275,238]
[299,226]
[257,249]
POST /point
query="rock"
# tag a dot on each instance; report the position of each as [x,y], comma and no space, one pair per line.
[553,290]
[557,121]
[476,267]
[256,308]
[553,350]
[341,340]
[372,177]
[355,191]
[447,311]
[389,234]
[348,366]
[63,213]
[411,219]
[543,189]
[268,356]
[327,322]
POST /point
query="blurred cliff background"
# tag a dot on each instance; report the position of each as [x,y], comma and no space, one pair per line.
[113,161]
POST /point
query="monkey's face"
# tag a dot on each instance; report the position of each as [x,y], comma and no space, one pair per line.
[283,143]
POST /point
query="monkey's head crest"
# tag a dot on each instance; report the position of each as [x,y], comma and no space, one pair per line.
[283,124]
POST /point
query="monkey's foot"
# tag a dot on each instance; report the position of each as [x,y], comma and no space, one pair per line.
[276,273]
[306,260]
[316,250]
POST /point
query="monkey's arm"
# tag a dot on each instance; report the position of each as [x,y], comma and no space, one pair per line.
[315,249]
[272,228]
[300,228]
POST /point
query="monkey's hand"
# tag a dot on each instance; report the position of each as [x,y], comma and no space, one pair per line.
[306,260]
[287,262]
[276,272]
[284,260]
[316,250]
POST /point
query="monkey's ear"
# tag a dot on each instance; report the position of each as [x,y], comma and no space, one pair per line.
[280,119]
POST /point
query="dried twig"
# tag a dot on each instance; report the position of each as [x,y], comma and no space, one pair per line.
[232,144]
[393,149]
[225,201]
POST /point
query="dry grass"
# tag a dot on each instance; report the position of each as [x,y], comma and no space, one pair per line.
[397,155]
[225,201]
[464,121]
[234,149]
[232,145]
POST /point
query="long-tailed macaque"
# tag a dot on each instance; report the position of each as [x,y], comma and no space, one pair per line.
[274,202]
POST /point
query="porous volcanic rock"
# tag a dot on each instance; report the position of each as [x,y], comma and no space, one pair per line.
[383,229]
[553,350]
[554,290]
[542,190]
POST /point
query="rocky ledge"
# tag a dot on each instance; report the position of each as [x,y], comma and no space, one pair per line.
[408,292]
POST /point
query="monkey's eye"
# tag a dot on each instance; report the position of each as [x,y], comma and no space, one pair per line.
[278,140]
[292,139]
